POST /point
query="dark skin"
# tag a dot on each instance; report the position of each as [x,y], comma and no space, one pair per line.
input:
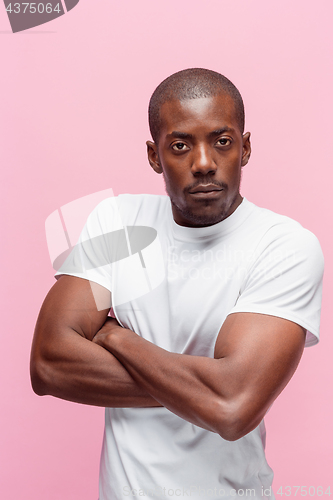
[200,144]
[81,355]
[66,363]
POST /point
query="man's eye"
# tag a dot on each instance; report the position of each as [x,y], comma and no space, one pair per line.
[224,141]
[179,146]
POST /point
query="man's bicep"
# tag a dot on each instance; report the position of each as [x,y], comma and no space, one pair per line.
[75,303]
[262,353]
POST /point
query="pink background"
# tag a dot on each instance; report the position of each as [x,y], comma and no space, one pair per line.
[74,97]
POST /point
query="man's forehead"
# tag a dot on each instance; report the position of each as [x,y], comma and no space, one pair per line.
[219,108]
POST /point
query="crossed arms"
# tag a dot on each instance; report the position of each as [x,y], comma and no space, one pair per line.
[81,355]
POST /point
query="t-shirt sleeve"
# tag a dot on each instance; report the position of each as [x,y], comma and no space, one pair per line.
[91,258]
[285,279]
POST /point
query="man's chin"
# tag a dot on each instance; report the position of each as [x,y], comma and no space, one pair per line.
[198,219]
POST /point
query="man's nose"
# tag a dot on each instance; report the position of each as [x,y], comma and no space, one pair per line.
[203,162]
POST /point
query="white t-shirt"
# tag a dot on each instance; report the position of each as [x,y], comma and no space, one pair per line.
[174,286]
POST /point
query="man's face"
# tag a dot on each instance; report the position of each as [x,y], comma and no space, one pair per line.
[200,153]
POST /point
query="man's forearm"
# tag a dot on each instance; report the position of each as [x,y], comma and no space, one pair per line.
[182,383]
[79,370]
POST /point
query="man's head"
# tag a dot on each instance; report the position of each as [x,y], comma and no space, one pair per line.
[196,118]
[192,83]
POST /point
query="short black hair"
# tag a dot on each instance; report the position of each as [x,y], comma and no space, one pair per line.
[192,83]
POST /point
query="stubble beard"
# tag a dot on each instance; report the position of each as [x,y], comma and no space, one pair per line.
[202,220]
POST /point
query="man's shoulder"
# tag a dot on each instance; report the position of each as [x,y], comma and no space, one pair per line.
[277,229]
[134,209]
[270,218]
[276,222]
[131,201]
[141,199]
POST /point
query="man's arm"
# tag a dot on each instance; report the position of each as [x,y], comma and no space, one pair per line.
[64,361]
[255,357]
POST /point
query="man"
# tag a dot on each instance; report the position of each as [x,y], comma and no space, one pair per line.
[189,367]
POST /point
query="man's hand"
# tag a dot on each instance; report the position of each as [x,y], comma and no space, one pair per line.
[110,328]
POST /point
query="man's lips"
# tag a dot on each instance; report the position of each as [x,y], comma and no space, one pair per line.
[205,188]
[206,191]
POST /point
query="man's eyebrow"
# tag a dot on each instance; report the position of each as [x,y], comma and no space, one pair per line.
[180,135]
[185,135]
[221,131]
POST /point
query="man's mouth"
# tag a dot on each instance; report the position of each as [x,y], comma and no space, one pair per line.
[206,191]
[205,188]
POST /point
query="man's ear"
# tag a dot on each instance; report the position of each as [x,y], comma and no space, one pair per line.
[153,158]
[246,149]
